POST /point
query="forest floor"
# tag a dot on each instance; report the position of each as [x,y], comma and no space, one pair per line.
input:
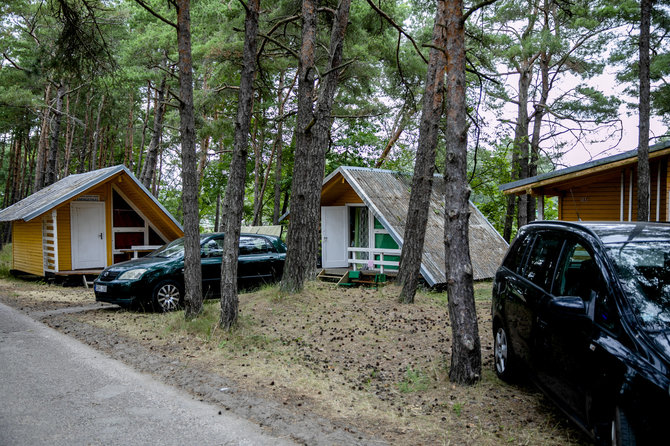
[327,366]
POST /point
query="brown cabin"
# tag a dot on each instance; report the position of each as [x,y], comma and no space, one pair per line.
[602,190]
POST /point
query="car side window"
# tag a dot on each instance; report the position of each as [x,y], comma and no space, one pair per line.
[578,274]
[253,245]
[212,248]
[516,253]
[542,259]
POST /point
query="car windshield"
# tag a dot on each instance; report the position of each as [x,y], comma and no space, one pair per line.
[172,249]
[644,271]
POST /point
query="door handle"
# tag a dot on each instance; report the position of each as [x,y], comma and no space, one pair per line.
[101,236]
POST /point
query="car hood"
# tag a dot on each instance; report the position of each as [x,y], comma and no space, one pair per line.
[144,262]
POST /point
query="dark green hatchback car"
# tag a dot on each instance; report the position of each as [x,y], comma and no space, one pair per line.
[158,278]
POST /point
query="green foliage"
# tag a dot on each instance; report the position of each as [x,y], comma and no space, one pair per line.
[5,260]
[414,381]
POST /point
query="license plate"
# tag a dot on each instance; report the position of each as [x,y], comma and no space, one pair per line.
[100,288]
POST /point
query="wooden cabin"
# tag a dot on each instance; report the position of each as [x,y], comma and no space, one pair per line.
[363,213]
[85,222]
[602,190]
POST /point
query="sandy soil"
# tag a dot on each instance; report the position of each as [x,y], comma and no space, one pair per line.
[328,366]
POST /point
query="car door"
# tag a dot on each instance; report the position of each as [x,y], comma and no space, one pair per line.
[211,253]
[565,360]
[526,290]
[255,258]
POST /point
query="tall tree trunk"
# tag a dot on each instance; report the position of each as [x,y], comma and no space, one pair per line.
[297,266]
[71,131]
[50,174]
[643,181]
[96,135]
[84,146]
[402,119]
[538,116]
[279,148]
[521,138]
[130,130]
[466,362]
[40,157]
[189,174]
[140,155]
[424,166]
[257,144]
[312,130]
[234,199]
[149,168]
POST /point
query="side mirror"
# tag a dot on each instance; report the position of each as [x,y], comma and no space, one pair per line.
[568,305]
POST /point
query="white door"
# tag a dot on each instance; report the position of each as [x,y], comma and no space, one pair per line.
[87,220]
[334,236]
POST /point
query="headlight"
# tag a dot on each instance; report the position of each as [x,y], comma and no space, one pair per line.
[133,274]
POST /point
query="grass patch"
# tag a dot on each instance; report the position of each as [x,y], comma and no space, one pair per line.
[415,381]
[5,260]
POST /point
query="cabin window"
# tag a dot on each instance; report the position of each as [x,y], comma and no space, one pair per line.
[124,215]
[359,231]
[130,228]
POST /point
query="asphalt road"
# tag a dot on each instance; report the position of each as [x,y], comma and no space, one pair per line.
[55,390]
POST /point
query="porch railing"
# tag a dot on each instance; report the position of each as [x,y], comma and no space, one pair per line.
[371,262]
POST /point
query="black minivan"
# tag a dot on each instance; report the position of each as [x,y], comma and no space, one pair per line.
[583,309]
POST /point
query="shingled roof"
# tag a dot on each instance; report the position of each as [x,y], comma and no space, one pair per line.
[69,187]
[387,194]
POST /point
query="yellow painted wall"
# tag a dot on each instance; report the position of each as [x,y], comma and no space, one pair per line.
[599,198]
[27,246]
[64,238]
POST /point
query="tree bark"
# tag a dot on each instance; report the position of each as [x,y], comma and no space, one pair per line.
[301,238]
[466,364]
[257,144]
[84,146]
[521,138]
[40,157]
[140,155]
[312,129]
[151,159]
[192,270]
[130,130]
[279,148]
[424,166]
[50,174]
[643,181]
[96,135]
[234,199]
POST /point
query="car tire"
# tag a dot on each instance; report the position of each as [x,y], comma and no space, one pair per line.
[503,357]
[622,433]
[167,296]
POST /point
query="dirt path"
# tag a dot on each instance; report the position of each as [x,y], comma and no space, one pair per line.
[325,367]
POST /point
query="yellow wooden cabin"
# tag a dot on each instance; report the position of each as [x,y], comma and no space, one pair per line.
[85,222]
[602,190]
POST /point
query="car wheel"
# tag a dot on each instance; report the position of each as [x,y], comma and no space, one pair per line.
[503,358]
[167,296]
[622,431]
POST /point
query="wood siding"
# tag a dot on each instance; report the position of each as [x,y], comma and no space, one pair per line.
[599,197]
[27,246]
[64,238]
